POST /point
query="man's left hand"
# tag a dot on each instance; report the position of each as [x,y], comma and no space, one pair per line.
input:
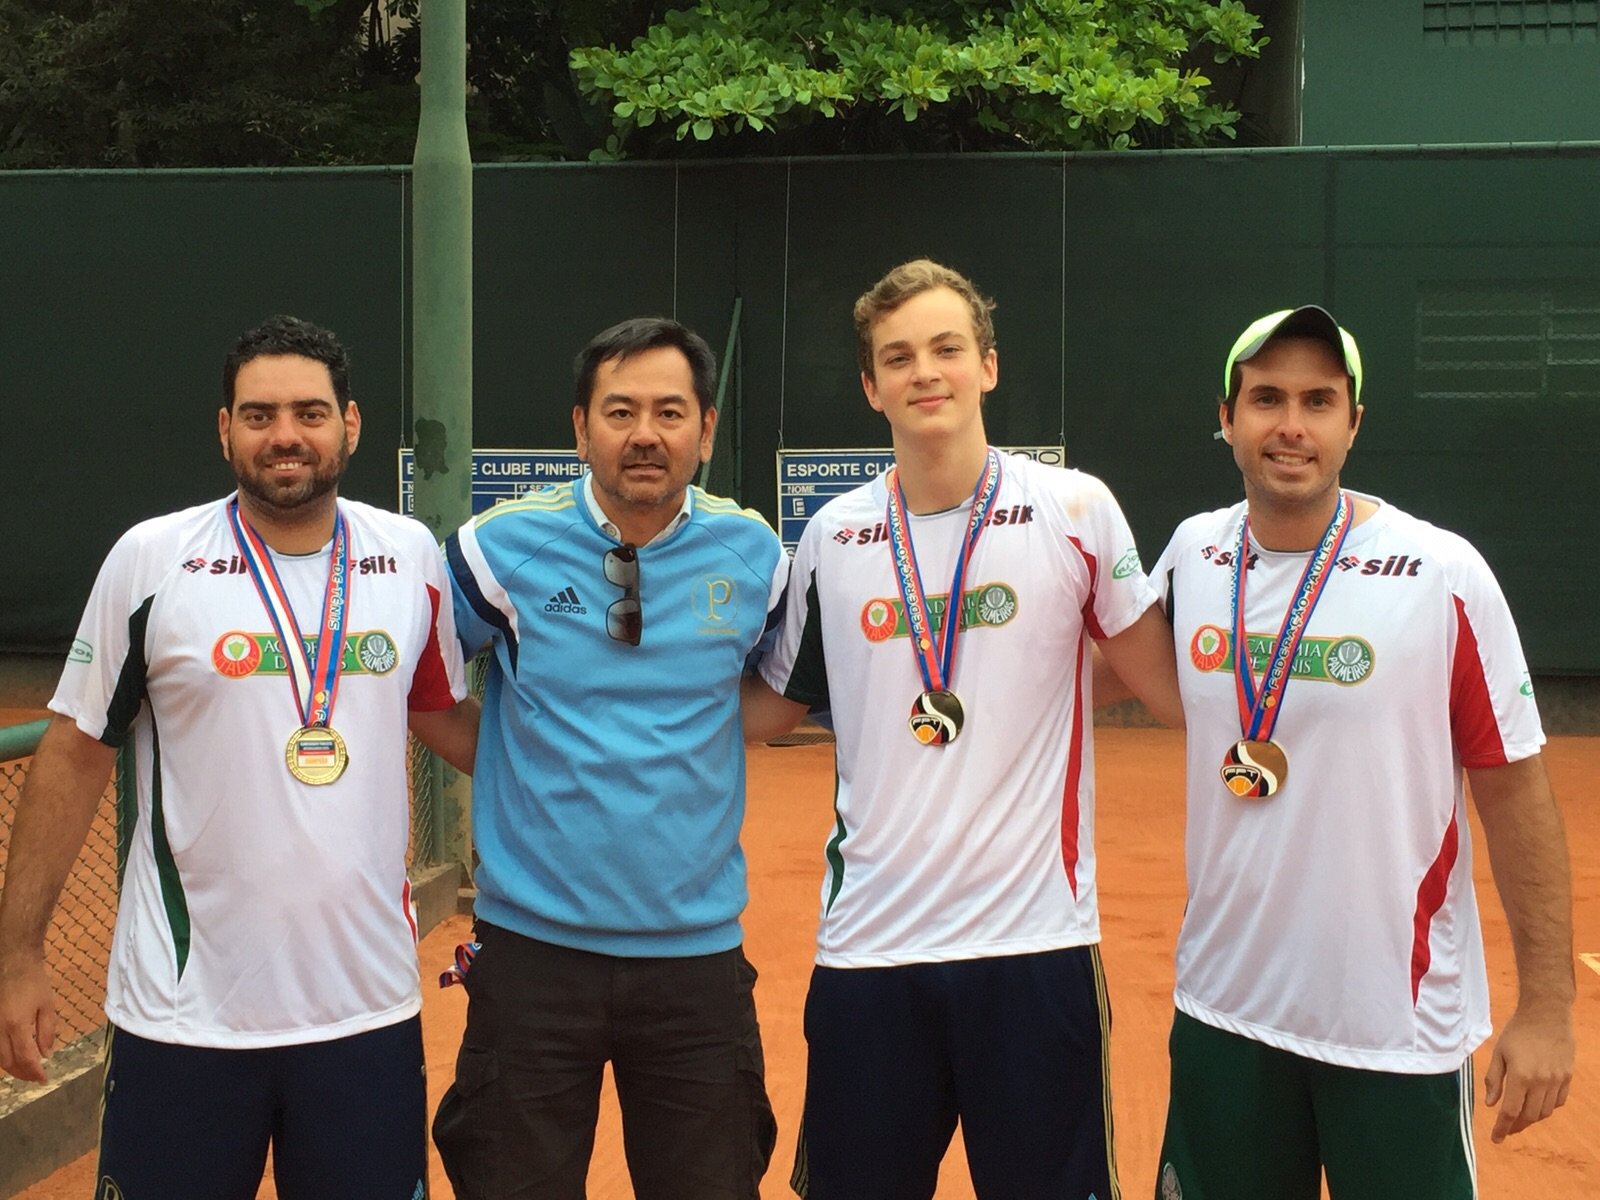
[1530,1071]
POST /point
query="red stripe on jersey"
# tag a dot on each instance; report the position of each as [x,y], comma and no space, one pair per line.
[1472,719]
[430,683]
[1069,792]
[405,905]
[1090,622]
[1430,899]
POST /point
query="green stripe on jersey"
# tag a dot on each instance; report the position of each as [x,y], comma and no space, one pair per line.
[832,853]
[172,897]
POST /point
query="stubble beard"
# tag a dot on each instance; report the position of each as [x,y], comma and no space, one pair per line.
[289,504]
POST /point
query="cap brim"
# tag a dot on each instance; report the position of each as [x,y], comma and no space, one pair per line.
[1309,320]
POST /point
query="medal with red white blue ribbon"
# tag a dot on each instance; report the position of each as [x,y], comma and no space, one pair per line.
[316,754]
[1256,766]
[936,714]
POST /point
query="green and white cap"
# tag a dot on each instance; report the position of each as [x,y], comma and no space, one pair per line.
[1305,321]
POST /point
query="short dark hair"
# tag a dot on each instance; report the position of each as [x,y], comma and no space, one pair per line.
[635,336]
[289,335]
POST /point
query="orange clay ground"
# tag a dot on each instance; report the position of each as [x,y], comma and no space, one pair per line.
[1141,895]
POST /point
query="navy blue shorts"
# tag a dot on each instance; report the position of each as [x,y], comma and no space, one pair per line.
[345,1118]
[1016,1049]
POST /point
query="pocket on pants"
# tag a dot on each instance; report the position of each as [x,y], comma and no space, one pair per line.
[751,1064]
[463,1128]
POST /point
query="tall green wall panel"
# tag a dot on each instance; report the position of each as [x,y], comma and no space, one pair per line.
[119,295]
[1376,73]
[1120,280]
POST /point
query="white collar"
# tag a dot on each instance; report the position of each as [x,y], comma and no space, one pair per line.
[606,527]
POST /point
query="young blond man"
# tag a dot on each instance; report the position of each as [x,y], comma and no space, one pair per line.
[944,613]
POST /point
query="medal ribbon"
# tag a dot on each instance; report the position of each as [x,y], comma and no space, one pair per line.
[937,666]
[315,684]
[1259,709]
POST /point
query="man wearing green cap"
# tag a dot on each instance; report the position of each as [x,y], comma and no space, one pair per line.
[1340,662]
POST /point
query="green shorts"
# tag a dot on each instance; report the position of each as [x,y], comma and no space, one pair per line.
[1246,1121]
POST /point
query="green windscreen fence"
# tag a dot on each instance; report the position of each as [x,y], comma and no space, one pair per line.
[1468,275]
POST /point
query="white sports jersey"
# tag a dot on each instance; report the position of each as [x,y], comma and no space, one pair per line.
[257,910]
[1336,919]
[985,846]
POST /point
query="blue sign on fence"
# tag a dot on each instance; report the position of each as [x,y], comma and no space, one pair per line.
[499,475]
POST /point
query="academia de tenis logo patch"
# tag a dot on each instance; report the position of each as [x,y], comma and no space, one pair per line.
[1343,660]
[991,604]
[237,654]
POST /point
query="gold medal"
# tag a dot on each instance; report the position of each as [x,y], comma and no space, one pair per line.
[1253,770]
[936,717]
[316,754]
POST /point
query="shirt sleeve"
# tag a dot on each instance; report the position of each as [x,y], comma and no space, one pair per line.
[439,681]
[1161,574]
[480,608]
[1119,590]
[102,686]
[795,667]
[1493,717]
[776,599]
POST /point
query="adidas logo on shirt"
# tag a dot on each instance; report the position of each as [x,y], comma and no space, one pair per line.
[565,601]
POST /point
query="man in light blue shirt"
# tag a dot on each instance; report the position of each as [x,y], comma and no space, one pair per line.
[620,610]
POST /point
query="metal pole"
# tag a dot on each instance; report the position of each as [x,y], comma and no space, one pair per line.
[441,309]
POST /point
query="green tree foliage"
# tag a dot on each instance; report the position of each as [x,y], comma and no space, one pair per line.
[87,83]
[815,76]
[525,100]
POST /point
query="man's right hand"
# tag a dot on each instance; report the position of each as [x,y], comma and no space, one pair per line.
[59,797]
[27,1016]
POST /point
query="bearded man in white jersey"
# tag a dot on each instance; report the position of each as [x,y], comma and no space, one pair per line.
[263,655]
[958,972]
[1340,663]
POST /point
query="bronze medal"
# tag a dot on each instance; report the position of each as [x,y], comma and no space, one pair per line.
[316,754]
[936,717]
[1254,770]
[1255,766]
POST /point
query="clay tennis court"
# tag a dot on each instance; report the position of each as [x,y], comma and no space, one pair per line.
[1139,775]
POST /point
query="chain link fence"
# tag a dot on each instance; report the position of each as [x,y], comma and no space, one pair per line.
[428,835]
[78,945]
[425,832]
